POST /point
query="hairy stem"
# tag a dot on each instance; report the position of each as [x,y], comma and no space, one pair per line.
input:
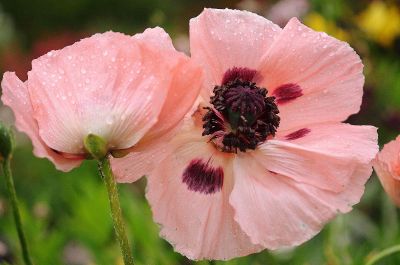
[12,195]
[119,227]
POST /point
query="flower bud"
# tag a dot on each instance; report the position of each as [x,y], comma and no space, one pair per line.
[6,142]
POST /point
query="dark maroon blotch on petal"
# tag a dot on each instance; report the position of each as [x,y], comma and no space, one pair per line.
[287,92]
[245,74]
[202,177]
[297,134]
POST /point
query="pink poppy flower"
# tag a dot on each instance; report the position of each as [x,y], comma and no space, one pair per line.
[387,167]
[265,160]
[112,85]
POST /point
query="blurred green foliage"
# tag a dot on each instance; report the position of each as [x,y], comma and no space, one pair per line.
[67,213]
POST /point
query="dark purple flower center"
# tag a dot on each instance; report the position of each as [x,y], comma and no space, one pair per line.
[241,116]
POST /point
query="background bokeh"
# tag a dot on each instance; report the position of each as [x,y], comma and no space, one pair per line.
[66,216]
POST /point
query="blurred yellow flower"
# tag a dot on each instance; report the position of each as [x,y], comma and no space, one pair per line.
[381,22]
[318,22]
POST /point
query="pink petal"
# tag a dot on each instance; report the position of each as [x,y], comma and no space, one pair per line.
[339,139]
[150,150]
[390,154]
[326,157]
[223,39]
[277,212]
[185,74]
[198,225]
[327,70]
[109,84]
[182,93]
[142,159]
[306,166]
[15,95]
[157,38]
[387,167]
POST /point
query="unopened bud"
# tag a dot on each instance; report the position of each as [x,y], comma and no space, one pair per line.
[6,142]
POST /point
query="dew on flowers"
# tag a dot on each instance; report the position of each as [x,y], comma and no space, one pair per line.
[258,144]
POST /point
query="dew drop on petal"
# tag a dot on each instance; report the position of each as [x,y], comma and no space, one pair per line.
[109,120]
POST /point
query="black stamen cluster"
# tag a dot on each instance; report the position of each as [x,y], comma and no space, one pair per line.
[251,115]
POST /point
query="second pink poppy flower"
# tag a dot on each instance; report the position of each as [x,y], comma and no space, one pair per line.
[265,160]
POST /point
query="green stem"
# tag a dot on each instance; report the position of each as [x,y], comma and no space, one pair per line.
[384,253]
[14,205]
[119,227]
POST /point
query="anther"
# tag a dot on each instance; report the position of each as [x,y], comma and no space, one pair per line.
[242,115]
